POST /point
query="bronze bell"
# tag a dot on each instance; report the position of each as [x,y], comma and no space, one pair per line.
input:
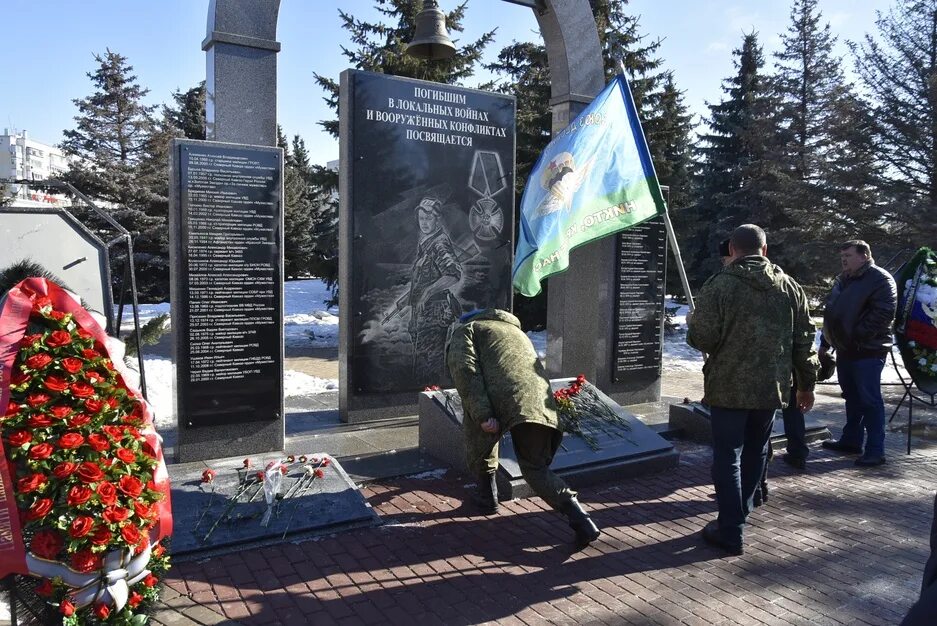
[431,39]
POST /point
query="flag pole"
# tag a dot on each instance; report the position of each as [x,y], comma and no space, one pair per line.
[668,226]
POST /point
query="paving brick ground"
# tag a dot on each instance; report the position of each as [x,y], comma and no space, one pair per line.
[834,545]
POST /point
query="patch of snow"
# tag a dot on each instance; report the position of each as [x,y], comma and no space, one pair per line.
[430,475]
[299,384]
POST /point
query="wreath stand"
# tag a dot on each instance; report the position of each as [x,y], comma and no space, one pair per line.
[911,393]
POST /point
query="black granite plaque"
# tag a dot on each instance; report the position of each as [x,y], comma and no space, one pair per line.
[639,302]
[229,350]
[428,230]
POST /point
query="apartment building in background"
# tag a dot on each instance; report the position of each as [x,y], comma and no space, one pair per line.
[24,158]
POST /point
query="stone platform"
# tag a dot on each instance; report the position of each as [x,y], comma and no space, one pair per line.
[692,421]
[631,449]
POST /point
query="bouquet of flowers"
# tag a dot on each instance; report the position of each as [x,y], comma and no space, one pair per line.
[87,472]
[916,326]
[583,413]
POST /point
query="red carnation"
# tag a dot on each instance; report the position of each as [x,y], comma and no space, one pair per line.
[56,384]
[30,483]
[20,437]
[39,509]
[38,361]
[66,608]
[18,378]
[130,534]
[208,475]
[90,354]
[80,526]
[70,441]
[78,495]
[116,514]
[131,486]
[64,469]
[90,472]
[101,536]
[45,588]
[41,451]
[37,399]
[60,411]
[150,580]
[71,365]
[98,442]
[78,420]
[107,493]
[58,338]
[82,390]
[134,600]
[46,544]
[101,611]
[85,561]
[39,420]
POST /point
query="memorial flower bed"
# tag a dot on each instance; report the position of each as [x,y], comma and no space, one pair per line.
[86,468]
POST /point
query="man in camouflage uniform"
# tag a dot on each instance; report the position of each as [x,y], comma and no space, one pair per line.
[504,387]
[753,322]
[433,307]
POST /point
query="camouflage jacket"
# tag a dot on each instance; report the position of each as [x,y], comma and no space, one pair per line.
[497,374]
[753,322]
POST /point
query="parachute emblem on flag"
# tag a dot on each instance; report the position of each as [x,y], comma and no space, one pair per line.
[562,179]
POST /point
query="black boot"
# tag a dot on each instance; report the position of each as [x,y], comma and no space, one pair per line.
[579,521]
[486,494]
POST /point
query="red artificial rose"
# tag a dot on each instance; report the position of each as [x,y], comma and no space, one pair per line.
[130,534]
[150,580]
[45,588]
[60,411]
[85,561]
[84,334]
[70,441]
[247,463]
[131,486]
[18,378]
[64,469]
[39,420]
[94,406]
[71,365]
[30,340]
[80,526]
[90,354]
[66,608]
[158,550]
[112,402]
[134,600]
[38,361]
[78,420]
[37,399]
[42,302]
[41,451]
[30,483]
[39,509]
[20,437]
[94,378]
[101,611]
[107,493]
[12,409]
[58,338]
[57,315]
[125,455]
[116,514]
[259,475]
[143,510]
[56,384]
[208,475]
[101,536]
[90,472]
[46,544]
[78,495]
[114,432]
[82,390]
[98,442]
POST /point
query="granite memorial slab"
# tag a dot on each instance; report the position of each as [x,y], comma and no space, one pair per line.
[208,517]
[628,448]
[692,420]
[426,231]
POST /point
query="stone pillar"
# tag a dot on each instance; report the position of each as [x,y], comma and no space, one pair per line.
[241,86]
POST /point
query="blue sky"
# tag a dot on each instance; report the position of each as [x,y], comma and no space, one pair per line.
[50,44]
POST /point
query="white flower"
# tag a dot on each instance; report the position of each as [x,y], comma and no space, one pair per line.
[933,367]
[912,344]
[922,361]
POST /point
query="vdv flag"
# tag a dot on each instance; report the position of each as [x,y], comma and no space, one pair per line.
[594,179]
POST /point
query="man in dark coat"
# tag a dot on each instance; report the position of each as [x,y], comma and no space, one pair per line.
[857,325]
[504,387]
[753,322]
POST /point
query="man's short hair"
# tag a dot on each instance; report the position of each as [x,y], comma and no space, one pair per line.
[861,247]
[748,239]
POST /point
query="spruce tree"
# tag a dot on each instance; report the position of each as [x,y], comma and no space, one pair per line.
[298,225]
[899,72]
[188,111]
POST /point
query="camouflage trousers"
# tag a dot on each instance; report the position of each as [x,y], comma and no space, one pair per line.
[535,445]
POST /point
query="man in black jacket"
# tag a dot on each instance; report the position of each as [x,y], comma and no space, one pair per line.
[857,325]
